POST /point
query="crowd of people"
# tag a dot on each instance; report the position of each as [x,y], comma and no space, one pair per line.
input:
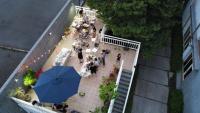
[92,62]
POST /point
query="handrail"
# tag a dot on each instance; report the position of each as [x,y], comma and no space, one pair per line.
[117,83]
[31,108]
[132,76]
[122,39]
[118,41]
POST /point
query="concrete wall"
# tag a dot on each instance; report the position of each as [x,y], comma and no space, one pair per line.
[45,43]
[190,86]
[191,93]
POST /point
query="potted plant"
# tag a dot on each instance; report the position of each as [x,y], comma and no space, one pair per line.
[20,94]
[29,79]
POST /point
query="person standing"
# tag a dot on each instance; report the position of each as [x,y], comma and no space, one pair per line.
[118,57]
[103,56]
[80,55]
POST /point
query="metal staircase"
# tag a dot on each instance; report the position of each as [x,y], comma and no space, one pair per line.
[122,91]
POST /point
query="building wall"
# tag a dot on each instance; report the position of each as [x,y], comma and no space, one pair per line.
[190,86]
[45,43]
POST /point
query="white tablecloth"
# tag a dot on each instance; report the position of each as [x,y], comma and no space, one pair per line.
[62,57]
[84,72]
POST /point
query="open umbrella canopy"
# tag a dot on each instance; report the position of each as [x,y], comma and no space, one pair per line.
[57,84]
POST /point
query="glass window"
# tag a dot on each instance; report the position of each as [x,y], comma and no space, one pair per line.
[187,66]
[187,38]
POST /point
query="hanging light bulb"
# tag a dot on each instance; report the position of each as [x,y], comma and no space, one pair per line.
[27,66]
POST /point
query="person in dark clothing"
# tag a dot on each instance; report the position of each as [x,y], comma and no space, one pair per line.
[36,103]
[93,68]
[60,107]
[80,55]
[103,56]
[118,57]
[57,106]
[81,12]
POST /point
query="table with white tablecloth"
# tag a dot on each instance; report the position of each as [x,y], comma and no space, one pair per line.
[62,56]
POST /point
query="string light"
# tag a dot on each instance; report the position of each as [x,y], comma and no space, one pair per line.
[34,61]
[42,55]
[38,58]
[27,66]
[16,80]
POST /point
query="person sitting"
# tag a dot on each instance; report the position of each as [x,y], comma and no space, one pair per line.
[81,12]
[57,106]
[64,109]
[36,103]
[93,68]
[96,62]
[118,57]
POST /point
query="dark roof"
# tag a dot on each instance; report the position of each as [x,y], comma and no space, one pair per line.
[23,21]
[21,24]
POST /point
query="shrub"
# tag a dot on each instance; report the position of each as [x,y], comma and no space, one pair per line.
[29,78]
[175,102]
[106,91]
[20,94]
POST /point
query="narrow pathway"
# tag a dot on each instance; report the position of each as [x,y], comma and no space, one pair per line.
[151,92]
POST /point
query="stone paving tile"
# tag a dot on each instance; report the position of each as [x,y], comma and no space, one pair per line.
[156,62]
[153,75]
[142,105]
[151,90]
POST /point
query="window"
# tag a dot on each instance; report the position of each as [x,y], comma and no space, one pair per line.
[187,66]
[187,38]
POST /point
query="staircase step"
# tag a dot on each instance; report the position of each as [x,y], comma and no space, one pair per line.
[122,82]
[125,78]
[126,71]
[116,110]
[122,91]
[122,94]
[126,75]
[123,87]
[121,98]
[119,102]
[119,106]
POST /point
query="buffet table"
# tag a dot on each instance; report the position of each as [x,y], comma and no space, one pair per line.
[62,56]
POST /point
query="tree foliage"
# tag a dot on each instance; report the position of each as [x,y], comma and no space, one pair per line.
[147,21]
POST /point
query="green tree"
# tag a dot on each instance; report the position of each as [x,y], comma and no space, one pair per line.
[147,21]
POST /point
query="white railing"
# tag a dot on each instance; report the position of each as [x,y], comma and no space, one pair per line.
[132,76]
[29,108]
[117,83]
[120,42]
[87,11]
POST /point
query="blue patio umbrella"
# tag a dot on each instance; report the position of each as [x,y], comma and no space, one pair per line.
[57,84]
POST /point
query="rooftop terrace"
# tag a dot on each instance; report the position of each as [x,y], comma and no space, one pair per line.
[90,84]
